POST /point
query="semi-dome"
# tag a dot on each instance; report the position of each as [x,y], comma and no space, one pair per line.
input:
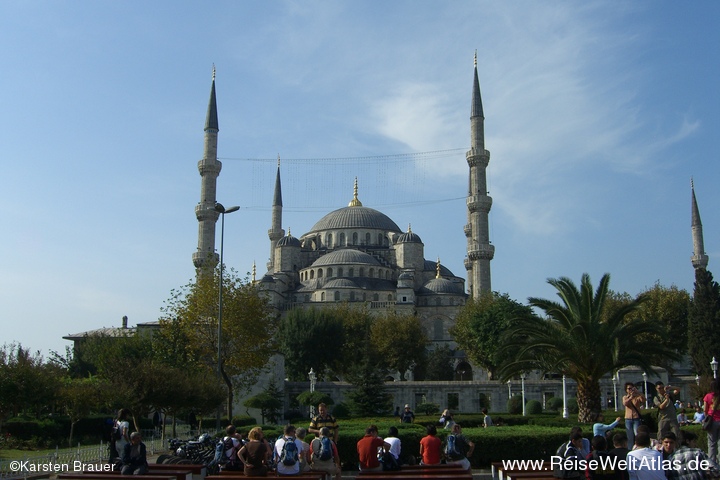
[442,285]
[355,217]
[340,283]
[431,266]
[344,257]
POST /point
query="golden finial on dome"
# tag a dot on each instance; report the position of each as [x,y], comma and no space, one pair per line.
[254,271]
[289,234]
[409,228]
[437,269]
[355,202]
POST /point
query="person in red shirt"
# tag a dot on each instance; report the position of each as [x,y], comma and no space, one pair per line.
[367,449]
[430,447]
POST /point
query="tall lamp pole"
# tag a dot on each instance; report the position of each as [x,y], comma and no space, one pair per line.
[714,366]
[615,397]
[565,409]
[222,210]
[313,378]
[522,379]
[647,405]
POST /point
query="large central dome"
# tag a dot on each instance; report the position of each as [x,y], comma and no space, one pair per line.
[355,217]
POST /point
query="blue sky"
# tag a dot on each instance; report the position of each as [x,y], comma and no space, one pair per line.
[597,115]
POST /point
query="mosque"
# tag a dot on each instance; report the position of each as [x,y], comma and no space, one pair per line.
[357,254]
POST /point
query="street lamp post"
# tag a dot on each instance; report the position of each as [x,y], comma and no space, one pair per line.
[509,383]
[615,397]
[565,409]
[522,380]
[697,379]
[714,366]
[313,378]
[645,390]
[222,211]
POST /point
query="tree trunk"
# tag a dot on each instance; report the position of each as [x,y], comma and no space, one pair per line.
[228,383]
[588,398]
[72,431]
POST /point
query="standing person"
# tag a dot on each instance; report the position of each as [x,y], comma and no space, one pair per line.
[407,415]
[134,457]
[446,419]
[120,434]
[324,455]
[287,450]
[487,421]
[665,403]
[367,449]
[324,419]
[632,400]
[712,409]
[460,450]
[430,447]
[254,454]
[643,462]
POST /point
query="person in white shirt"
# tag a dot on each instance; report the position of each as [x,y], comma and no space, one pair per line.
[394,442]
[643,462]
[288,436]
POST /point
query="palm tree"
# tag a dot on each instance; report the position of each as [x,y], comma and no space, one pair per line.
[583,338]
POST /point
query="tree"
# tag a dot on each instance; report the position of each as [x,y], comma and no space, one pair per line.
[309,399]
[27,383]
[269,402]
[704,322]
[369,397]
[437,365]
[300,335]
[81,396]
[671,307]
[249,328]
[577,339]
[399,340]
[481,323]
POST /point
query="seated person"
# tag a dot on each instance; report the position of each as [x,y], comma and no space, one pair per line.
[134,456]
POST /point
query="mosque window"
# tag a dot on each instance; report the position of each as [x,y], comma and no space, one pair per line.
[438,301]
[337,296]
[340,272]
[380,238]
[390,297]
[364,296]
[387,274]
[355,238]
[322,296]
[438,333]
[372,272]
[329,272]
[312,274]
[376,297]
[320,272]
[329,240]
[342,240]
[367,238]
[362,272]
[351,272]
[352,296]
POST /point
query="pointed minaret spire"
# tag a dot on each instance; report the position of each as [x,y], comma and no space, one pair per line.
[355,202]
[437,268]
[477,231]
[276,232]
[254,272]
[209,167]
[699,259]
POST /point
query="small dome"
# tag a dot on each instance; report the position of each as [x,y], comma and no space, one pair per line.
[267,278]
[441,285]
[288,241]
[431,266]
[405,276]
[409,237]
[346,256]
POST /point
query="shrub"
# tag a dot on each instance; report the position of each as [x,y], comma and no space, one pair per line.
[341,411]
[428,408]
[555,404]
[514,404]
[533,407]
[572,406]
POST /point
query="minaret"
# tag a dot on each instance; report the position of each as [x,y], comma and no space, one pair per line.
[699,259]
[276,231]
[479,250]
[209,167]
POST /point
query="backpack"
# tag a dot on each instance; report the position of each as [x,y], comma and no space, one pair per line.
[116,433]
[451,450]
[221,449]
[566,450]
[601,473]
[290,454]
[325,452]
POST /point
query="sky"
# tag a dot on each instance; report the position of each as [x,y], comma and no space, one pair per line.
[597,116]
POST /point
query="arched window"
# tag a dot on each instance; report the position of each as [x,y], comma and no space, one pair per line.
[355,238]
[367,238]
[376,297]
[312,274]
[322,296]
[340,272]
[320,272]
[351,272]
[329,240]
[372,272]
[380,238]
[329,272]
[337,296]
[387,274]
[362,272]
[390,297]
[342,240]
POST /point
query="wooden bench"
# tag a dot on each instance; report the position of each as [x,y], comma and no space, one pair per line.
[461,475]
[303,475]
[176,472]
[499,473]
[110,476]
[403,472]
[198,471]
[528,474]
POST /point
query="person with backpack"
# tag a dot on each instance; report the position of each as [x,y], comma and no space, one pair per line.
[227,449]
[570,451]
[120,435]
[324,456]
[604,469]
[458,448]
[287,451]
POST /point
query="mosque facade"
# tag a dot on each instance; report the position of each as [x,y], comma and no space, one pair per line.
[359,255]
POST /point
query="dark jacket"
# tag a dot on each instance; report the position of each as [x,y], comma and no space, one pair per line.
[136,461]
